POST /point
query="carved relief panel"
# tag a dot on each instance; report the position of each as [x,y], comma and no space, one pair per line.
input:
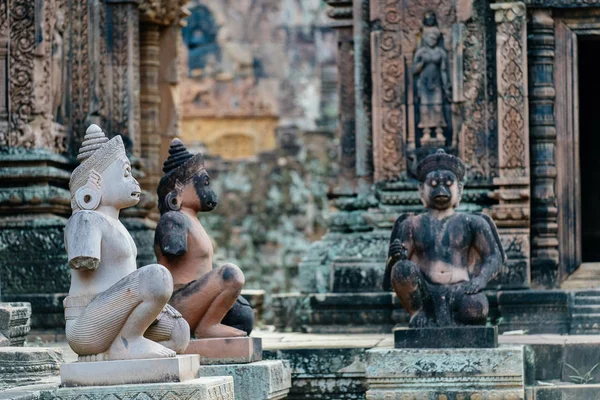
[430,85]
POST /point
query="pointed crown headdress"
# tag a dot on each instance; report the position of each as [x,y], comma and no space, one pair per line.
[179,169]
[95,155]
[441,160]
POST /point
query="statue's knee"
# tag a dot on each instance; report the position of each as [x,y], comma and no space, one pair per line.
[180,335]
[405,271]
[473,309]
[156,282]
[233,277]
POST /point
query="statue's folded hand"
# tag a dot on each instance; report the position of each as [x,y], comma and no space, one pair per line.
[476,285]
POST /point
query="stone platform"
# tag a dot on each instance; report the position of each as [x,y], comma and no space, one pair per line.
[121,372]
[262,380]
[206,388]
[426,374]
[240,350]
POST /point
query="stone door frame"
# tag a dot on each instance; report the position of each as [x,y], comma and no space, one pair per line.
[569,26]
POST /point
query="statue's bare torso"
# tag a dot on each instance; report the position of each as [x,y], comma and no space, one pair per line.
[196,261]
[117,249]
[443,248]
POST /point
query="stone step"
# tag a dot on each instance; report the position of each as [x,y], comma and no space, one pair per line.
[586,309]
[587,293]
[586,316]
[584,300]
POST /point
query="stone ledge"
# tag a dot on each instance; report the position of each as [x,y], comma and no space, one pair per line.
[262,380]
[120,372]
[447,371]
[25,365]
[446,338]
[210,388]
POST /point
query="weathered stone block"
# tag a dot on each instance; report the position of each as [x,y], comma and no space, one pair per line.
[226,350]
[449,373]
[262,380]
[14,322]
[125,372]
[448,337]
[213,388]
[535,311]
[325,374]
[27,365]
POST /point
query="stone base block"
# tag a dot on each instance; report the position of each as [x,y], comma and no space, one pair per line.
[226,350]
[449,337]
[14,323]
[26,365]
[262,380]
[446,373]
[124,372]
[212,388]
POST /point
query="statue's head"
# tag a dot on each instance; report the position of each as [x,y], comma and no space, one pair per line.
[186,182]
[441,176]
[431,35]
[104,175]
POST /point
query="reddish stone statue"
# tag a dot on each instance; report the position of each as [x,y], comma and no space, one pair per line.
[440,261]
[209,299]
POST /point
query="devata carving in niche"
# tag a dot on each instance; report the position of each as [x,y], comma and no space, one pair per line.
[440,261]
[432,80]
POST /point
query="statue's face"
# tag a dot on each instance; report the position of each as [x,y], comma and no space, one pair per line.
[119,188]
[198,194]
[431,37]
[441,190]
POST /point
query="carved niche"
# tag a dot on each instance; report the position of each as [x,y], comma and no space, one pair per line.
[430,86]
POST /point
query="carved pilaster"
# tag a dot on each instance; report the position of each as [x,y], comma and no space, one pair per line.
[362,65]
[341,13]
[4,38]
[389,110]
[512,214]
[150,102]
[123,72]
[544,246]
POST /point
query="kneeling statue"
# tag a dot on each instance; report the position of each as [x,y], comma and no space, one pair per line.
[440,261]
[208,298]
[114,311]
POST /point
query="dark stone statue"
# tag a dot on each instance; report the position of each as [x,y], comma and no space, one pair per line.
[209,299]
[440,261]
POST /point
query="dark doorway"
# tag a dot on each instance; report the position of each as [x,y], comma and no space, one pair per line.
[589,147]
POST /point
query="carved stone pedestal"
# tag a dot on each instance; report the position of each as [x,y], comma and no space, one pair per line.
[262,380]
[428,374]
[125,372]
[240,350]
[214,388]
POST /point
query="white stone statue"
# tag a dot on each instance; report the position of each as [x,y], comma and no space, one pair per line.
[114,311]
